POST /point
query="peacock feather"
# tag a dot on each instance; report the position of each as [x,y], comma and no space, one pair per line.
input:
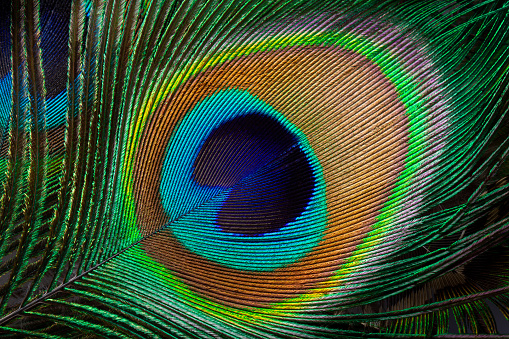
[254,169]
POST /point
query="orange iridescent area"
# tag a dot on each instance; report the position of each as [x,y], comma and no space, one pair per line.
[356,125]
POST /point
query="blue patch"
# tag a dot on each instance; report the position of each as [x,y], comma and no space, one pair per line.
[193,208]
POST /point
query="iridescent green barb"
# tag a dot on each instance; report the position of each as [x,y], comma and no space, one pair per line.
[254,169]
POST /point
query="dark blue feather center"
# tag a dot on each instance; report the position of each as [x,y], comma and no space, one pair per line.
[271,179]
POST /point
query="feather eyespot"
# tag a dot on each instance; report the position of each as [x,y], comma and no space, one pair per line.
[308,98]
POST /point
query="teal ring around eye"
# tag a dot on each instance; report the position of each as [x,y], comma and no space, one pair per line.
[192,208]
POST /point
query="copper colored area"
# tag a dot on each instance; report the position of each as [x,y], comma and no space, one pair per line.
[355,123]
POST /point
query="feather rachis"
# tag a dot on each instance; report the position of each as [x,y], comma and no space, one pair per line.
[75,42]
